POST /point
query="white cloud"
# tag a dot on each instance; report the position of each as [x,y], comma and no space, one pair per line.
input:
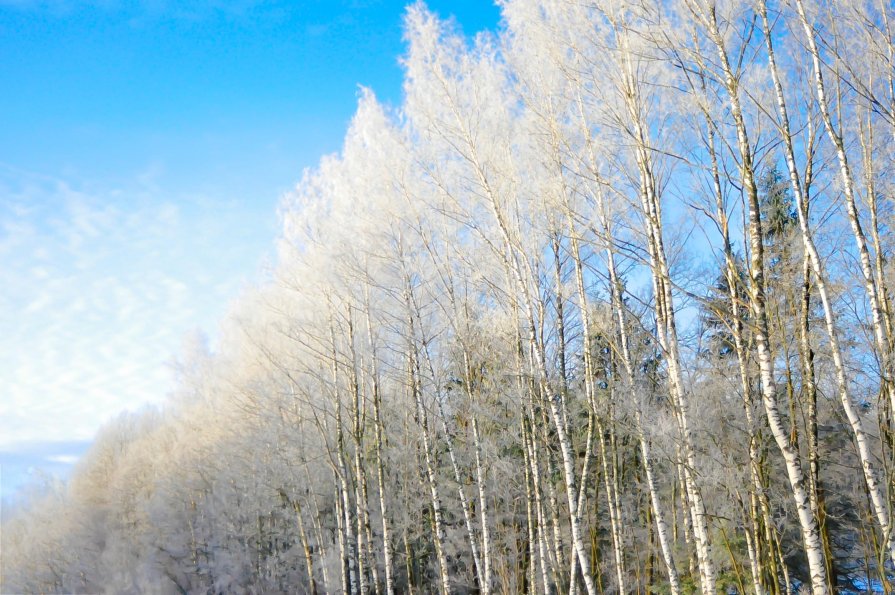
[98,289]
[63,459]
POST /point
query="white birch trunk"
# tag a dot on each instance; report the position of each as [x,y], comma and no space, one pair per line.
[431,476]
[875,490]
[380,467]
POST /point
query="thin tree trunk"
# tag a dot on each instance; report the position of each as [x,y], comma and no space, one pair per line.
[360,484]
[380,467]
[664,309]
[415,380]
[614,520]
[731,275]
[306,548]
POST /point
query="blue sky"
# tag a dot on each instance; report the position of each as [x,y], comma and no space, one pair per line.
[144,147]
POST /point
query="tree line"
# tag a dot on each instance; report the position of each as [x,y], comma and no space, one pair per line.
[604,306]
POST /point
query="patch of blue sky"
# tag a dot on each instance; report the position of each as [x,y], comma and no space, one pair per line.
[32,463]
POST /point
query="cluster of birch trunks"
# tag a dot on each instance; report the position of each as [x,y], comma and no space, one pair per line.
[604,306]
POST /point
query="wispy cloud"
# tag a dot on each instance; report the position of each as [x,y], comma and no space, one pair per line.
[98,289]
[63,459]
